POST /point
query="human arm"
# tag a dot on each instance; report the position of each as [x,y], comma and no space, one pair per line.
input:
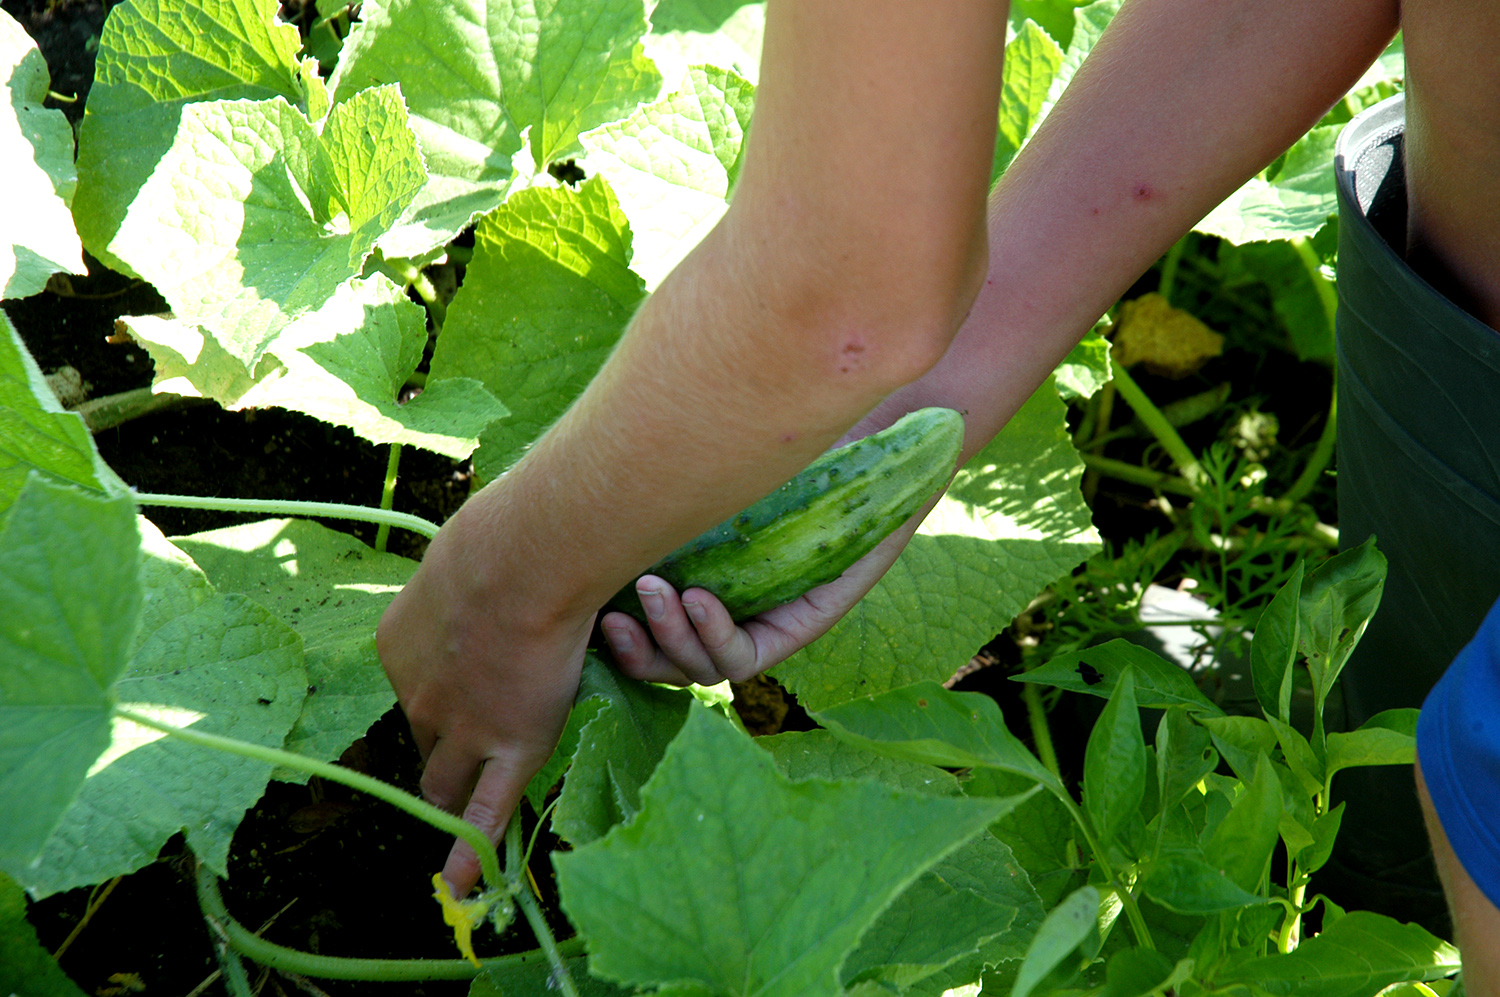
[1178,105]
[792,318]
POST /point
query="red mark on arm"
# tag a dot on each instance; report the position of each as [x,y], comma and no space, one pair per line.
[1143,192]
[849,355]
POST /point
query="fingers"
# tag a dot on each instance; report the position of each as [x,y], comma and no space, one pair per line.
[445,783]
[691,639]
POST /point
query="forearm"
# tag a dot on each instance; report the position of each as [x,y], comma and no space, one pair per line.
[1180,103]
[852,249]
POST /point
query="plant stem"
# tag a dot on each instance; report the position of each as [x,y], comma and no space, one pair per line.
[1041,734]
[1327,294]
[329,967]
[388,495]
[515,867]
[1136,475]
[1291,928]
[279,507]
[1169,269]
[1127,899]
[1321,455]
[489,861]
[114,410]
[1160,428]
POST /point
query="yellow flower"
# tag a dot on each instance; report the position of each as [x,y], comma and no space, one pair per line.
[463,916]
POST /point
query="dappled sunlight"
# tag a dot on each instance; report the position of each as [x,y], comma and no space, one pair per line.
[127,735]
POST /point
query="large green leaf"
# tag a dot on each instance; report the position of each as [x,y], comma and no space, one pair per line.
[544,300]
[253,217]
[617,751]
[1358,955]
[36,434]
[1114,763]
[26,969]
[218,663]
[672,164]
[656,906]
[1387,738]
[154,58]
[69,605]
[37,238]
[687,33]
[479,73]
[330,589]
[1293,202]
[1012,521]
[1032,59]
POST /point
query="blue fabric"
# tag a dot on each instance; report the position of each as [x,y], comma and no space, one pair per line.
[1458,743]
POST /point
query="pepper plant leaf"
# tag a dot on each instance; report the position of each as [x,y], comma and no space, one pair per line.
[1012,521]
[37,237]
[36,433]
[478,74]
[1096,671]
[1387,738]
[1114,763]
[672,164]
[331,590]
[253,217]
[544,300]
[655,906]
[70,601]
[155,57]
[215,662]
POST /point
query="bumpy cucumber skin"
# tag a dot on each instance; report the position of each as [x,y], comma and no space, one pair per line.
[811,529]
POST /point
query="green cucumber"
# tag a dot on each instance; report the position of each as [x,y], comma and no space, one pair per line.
[811,529]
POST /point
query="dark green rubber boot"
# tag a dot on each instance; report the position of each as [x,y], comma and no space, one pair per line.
[1418,467]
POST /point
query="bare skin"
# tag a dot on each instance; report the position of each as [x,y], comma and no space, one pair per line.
[1453,149]
[1476,921]
[736,372]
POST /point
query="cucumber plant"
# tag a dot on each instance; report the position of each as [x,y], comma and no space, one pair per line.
[130,664]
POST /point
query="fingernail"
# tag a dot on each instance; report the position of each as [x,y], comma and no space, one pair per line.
[696,610]
[619,639]
[653,601]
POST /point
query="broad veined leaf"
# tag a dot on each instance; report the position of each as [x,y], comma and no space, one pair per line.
[155,57]
[617,751]
[1089,22]
[1387,738]
[1085,369]
[1137,972]
[1012,521]
[37,237]
[926,723]
[477,74]
[1096,671]
[562,756]
[672,164]
[818,754]
[1302,296]
[687,33]
[1114,763]
[218,663]
[331,590]
[970,902]
[534,976]
[70,601]
[346,364]
[544,300]
[1032,59]
[1041,833]
[655,906]
[25,967]
[36,433]
[1358,954]
[1241,740]
[1184,755]
[1186,882]
[254,218]
[1294,202]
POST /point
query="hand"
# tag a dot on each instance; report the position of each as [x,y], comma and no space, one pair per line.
[486,698]
[692,639]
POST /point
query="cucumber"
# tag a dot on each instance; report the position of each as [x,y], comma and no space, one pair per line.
[811,529]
